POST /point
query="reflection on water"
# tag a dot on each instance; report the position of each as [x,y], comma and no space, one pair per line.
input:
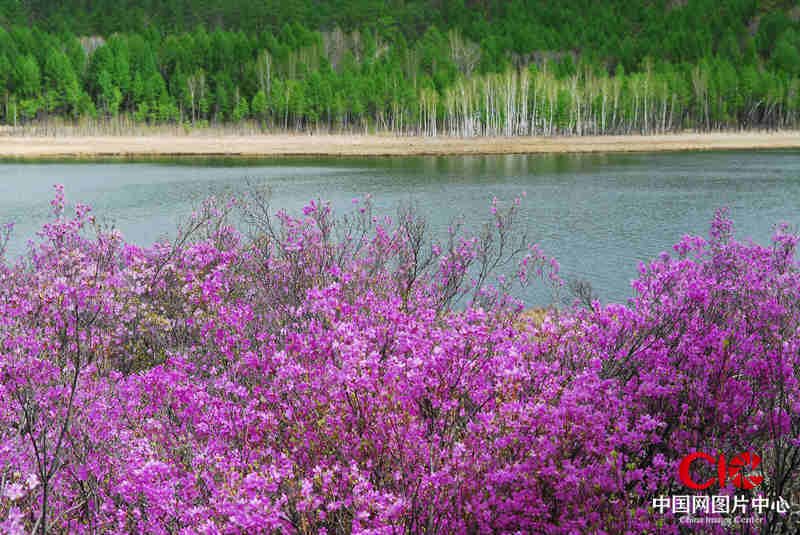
[599,214]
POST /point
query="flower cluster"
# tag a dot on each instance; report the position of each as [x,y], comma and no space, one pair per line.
[338,376]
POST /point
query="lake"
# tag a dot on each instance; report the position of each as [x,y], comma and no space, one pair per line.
[598,214]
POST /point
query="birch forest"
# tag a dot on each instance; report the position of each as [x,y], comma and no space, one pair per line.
[522,68]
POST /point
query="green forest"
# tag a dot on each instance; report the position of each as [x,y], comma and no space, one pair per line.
[423,67]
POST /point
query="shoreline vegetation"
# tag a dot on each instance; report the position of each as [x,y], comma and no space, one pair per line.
[350,374]
[25,147]
[515,69]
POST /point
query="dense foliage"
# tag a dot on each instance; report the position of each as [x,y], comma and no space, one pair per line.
[319,378]
[481,68]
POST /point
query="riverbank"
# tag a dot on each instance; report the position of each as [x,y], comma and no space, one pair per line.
[352,145]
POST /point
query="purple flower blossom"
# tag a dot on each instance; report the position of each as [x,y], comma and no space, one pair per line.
[302,383]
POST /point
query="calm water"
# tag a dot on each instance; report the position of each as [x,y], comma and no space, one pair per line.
[599,215]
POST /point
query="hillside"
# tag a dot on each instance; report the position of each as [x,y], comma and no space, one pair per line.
[474,68]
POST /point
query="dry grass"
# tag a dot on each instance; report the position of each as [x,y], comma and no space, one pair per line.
[533,317]
[354,145]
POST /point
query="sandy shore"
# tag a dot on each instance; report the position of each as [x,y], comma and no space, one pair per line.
[285,145]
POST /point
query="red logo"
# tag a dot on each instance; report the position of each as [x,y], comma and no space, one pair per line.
[732,469]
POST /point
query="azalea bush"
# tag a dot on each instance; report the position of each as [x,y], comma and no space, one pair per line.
[324,375]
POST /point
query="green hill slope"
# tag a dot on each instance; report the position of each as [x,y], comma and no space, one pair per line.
[471,68]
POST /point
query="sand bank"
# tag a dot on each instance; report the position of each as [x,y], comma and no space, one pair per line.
[352,145]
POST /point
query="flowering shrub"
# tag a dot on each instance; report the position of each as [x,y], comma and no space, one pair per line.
[351,376]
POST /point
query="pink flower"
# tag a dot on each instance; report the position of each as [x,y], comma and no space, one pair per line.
[14,491]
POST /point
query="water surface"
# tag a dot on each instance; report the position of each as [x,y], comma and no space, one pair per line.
[599,215]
